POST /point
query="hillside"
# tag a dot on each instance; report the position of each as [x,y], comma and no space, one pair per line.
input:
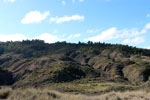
[35,63]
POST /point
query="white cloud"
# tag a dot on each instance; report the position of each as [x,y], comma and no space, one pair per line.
[35,17]
[132,36]
[60,20]
[48,38]
[146,28]
[130,33]
[134,41]
[77,35]
[11,1]
[147,47]
[127,33]
[105,35]
[12,37]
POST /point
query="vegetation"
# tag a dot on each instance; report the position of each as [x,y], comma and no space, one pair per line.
[83,68]
[36,48]
[46,94]
[4,92]
[62,62]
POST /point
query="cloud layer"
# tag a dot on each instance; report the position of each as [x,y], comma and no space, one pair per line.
[131,36]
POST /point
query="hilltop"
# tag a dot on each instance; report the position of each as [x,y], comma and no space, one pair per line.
[32,63]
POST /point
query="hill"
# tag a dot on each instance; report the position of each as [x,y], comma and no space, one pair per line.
[35,63]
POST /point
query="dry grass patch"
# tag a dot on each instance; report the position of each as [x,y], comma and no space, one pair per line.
[33,94]
[45,94]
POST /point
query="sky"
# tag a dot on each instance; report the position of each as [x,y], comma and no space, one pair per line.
[124,22]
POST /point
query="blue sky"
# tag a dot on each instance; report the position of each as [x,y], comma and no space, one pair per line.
[110,21]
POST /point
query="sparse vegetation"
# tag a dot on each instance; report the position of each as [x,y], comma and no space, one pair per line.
[45,94]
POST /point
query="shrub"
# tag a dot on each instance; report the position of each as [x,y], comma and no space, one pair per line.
[4,93]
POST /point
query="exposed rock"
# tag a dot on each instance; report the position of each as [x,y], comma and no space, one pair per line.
[136,73]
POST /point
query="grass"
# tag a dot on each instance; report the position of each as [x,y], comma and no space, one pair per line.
[46,94]
[91,87]
[78,90]
[33,94]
